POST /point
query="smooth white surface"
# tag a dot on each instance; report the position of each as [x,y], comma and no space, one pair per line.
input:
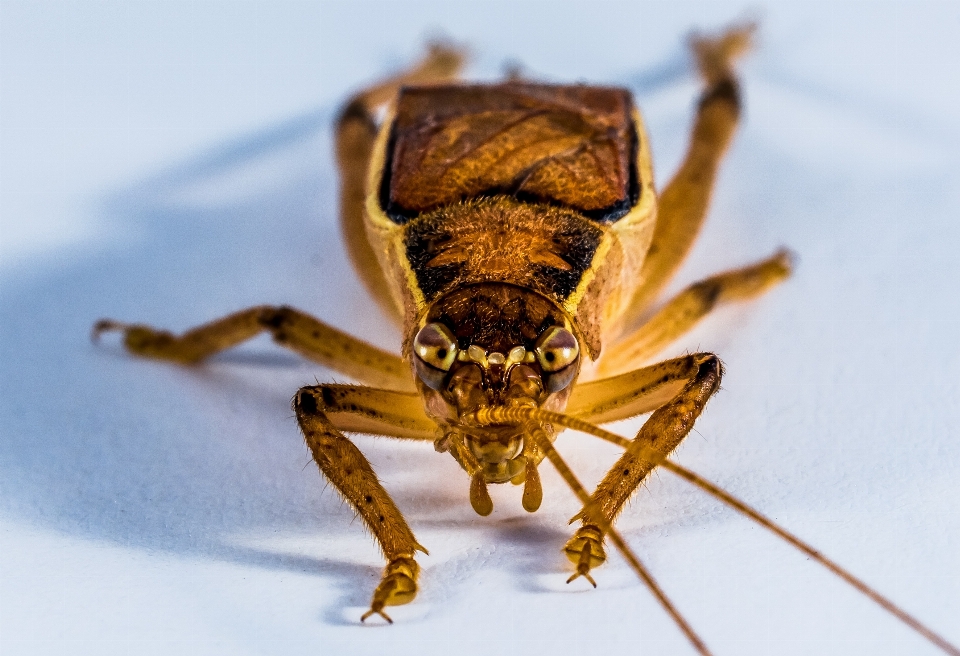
[170,162]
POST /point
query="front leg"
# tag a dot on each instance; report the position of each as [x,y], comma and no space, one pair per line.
[663,431]
[346,468]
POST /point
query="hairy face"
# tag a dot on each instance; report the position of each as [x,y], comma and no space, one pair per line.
[496,345]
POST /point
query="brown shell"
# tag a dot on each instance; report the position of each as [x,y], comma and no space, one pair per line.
[572,146]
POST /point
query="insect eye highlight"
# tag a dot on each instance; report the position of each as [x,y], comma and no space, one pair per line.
[436,346]
[557,348]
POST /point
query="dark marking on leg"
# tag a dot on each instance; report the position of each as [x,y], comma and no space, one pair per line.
[708,292]
[357,111]
[329,399]
[726,90]
[307,402]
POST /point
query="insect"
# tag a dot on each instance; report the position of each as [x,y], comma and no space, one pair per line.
[515,232]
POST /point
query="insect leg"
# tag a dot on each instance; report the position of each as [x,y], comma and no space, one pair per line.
[634,393]
[290,327]
[355,133]
[319,411]
[652,452]
[686,309]
[570,478]
[361,409]
[683,203]
[663,431]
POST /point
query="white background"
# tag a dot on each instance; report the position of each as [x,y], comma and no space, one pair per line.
[171,162]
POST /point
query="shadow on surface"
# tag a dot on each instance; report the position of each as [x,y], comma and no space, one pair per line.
[105,446]
[102,445]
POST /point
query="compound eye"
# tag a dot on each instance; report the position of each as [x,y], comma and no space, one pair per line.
[557,351]
[436,346]
[557,348]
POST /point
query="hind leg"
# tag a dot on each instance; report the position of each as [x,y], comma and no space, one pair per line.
[683,203]
[355,133]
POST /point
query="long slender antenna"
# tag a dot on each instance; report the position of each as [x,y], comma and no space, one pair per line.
[517,414]
[567,474]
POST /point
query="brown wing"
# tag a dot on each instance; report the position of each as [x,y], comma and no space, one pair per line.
[571,146]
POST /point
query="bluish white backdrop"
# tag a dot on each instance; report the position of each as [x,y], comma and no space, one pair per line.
[171,162]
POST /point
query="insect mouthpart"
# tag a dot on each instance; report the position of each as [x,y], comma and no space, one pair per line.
[459,379]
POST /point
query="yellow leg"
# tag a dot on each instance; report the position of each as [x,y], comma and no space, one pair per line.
[663,432]
[686,309]
[683,203]
[355,133]
[290,327]
[634,393]
[585,555]
[319,409]
[360,409]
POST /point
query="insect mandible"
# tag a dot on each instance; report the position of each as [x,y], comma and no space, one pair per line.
[515,232]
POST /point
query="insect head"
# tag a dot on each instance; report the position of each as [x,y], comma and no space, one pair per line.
[473,376]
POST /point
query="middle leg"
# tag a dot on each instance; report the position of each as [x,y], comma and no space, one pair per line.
[685,310]
[290,327]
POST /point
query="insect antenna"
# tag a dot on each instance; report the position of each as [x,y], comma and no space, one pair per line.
[514,414]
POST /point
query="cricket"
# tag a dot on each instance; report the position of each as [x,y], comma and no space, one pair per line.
[513,230]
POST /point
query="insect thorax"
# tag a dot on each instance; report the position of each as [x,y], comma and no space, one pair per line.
[569,146]
[522,185]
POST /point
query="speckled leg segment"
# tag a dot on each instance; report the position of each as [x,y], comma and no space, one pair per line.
[663,432]
[634,393]
[346,468]
[361,409]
